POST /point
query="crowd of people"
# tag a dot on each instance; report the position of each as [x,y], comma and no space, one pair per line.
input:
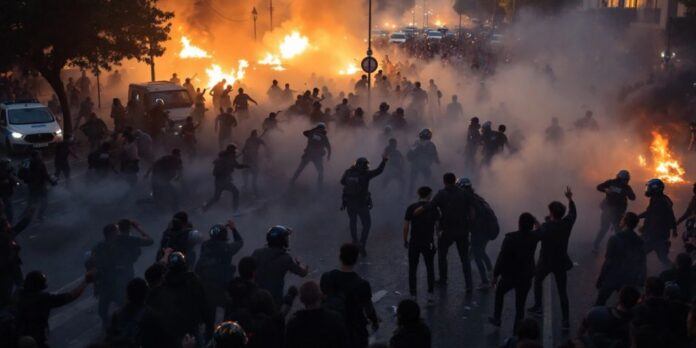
[199,291]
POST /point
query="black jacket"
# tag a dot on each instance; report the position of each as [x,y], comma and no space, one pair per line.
[554,236]
[316,328]
[516,259]
[618,192]
[412,336]
[455,208]
[356,184]
[624,262]
[659,218]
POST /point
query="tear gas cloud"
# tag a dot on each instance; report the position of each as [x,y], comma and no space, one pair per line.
[558,67]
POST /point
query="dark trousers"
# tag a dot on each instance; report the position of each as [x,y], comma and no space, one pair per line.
[483,262]
[221,186]
[62,168]
[356,211]
[414,253]
[7,284]
[9,211]
[611,217]
[661,249]
[604,294]
[561,278]
[462,244]
[253,172]
[521,290]
[318,164]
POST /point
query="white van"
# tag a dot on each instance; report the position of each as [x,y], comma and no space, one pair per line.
[27,124]
[177,101]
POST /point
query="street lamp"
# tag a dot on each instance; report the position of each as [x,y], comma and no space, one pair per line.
[255,15]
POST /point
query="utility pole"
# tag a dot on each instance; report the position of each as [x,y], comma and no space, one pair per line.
[369,54]
[255,15]
[152,64]
[425,16]
[270,9]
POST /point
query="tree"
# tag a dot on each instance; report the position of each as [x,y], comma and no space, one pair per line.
[47,36]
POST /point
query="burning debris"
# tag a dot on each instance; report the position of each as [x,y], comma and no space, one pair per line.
[662,161]
[351,69]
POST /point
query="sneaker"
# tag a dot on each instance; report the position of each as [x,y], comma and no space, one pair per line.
[536,310]
[493,321]
[431,299]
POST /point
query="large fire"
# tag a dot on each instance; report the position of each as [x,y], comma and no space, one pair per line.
[663,163]
[292,45]
[216,74]
[190,51]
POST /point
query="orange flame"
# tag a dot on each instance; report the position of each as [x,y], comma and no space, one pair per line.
[292,45]
[190,51]
[216,74]
[350,69]
[665,166]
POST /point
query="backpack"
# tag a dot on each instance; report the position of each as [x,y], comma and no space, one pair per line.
[486,217]
[351,186]
[340,301]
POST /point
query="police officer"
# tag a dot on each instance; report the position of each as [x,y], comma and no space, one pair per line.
[214,267]
[617,193]
[229,334]
[181,302]
[317,146]
[164,170]
[36,180]
[180,237]
[34,305]
[422,155]
[381,117]
[8,182]
[224,124]
[395,168]
[473,140]
[357,200]
[250,157]
[111,275]
[223,167]
[659,221]
[274,261]
[11,263]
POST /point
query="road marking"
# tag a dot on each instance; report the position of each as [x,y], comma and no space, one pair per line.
[378,295]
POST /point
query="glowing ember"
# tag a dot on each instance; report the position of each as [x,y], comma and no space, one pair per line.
[665,166]
[190,51]
[351,69]
[293,45]
[216,74]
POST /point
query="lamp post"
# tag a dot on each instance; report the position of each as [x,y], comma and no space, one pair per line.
[255,15]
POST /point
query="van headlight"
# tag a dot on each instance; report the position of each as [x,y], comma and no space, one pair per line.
[17,135]
[59,132]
